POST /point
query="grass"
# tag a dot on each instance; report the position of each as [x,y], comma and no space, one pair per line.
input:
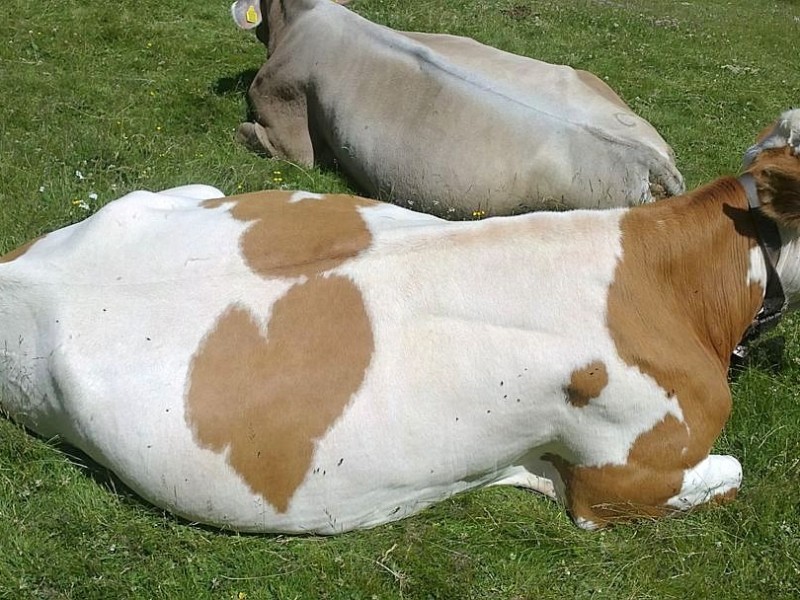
[98,98]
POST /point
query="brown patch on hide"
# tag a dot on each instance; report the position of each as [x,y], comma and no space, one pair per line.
[267,397]
[679,303]
[586,384]
[291,239]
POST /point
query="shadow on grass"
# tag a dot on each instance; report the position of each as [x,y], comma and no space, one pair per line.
[235,84]
[238,85]
[767,354]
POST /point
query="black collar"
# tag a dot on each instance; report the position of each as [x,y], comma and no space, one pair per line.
[769,240]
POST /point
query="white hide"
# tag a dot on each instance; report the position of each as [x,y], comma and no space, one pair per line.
[474,343]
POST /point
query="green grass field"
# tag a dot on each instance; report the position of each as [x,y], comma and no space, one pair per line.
[100,98]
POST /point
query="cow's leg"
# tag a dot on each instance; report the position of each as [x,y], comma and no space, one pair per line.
[597,496]
[254,137]
[715,478]
[281,129]
[522,478]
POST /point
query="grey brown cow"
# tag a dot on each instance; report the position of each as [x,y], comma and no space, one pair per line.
[446,121]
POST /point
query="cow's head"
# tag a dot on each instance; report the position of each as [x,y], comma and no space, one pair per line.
[774,162]
[783,133]
[265,16]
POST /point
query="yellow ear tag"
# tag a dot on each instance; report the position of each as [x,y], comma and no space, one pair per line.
[251,15]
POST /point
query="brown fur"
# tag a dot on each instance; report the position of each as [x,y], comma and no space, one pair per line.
[777,175]
[287,386]
[586,384]
[295,239]
[678,305]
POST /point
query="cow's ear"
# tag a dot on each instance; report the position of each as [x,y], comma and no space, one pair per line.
[784,132]
[779,192]
[247,13]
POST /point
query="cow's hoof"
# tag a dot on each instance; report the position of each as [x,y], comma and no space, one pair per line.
[253,137]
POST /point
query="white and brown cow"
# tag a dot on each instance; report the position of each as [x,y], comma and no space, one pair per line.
[292,362]
[442,120]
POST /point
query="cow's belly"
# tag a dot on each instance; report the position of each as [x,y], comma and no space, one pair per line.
[401,443]
[116,362]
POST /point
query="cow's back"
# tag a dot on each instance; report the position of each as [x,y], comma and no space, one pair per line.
[557,90]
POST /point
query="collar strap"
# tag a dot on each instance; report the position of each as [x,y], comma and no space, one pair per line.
[769,240]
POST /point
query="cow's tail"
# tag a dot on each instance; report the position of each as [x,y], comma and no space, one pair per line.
[665,179]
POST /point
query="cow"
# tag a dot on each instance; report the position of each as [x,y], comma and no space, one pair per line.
[444,122]
[303,363]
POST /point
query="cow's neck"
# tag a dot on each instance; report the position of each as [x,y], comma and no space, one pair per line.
[697,257]
[279,15]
